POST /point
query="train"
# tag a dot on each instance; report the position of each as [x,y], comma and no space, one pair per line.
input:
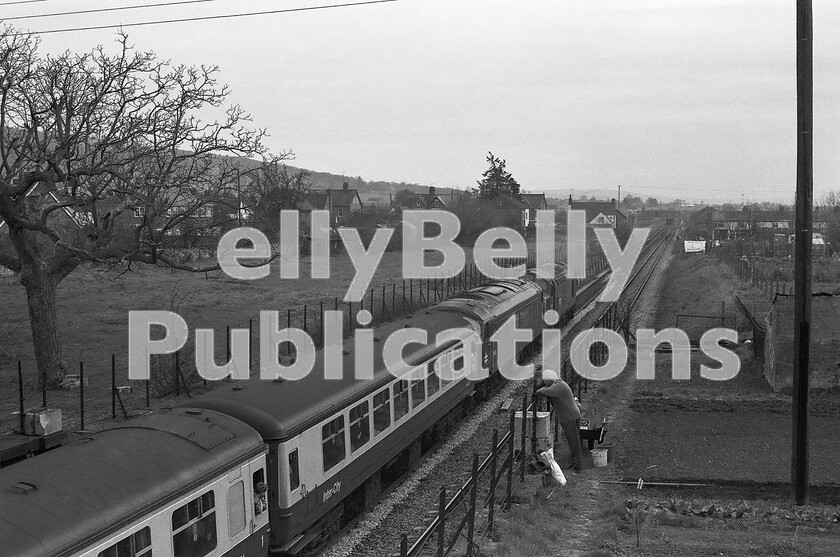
[268,468]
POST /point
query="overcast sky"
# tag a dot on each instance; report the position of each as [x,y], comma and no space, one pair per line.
[678,98]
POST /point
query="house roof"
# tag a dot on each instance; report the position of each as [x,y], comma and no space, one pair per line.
[426,200]
[595,208]
[321,199]
[535,200]
[508,201]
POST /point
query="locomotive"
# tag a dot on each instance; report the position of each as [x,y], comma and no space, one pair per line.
[258,468]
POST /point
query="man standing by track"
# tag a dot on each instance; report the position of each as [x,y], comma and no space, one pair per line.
[568,413]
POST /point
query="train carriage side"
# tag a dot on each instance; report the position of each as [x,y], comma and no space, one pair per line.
[329,439]
[173,484]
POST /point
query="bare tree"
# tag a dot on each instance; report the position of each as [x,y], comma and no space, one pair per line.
[101,157]
[272,189]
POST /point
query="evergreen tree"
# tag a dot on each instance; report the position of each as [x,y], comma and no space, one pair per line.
[497,180]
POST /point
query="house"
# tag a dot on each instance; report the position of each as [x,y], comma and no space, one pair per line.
[429,200]
[536,202]
[340,203]
[599,214]
[522,208]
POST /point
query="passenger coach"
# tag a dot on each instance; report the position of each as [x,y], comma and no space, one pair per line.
[333,443]
[185,483]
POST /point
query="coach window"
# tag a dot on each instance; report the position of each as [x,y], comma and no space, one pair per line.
[194,527]
[236,508]
[359,426]
[400,399]
[418,392]
[433,379]
[381,411]
[332,435]
[294,471]
[138,544]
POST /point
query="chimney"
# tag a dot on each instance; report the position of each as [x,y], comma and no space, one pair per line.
[431,190]
[345,186]
[613,202]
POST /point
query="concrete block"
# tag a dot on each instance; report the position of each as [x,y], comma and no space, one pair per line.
[40,423]
[73,381]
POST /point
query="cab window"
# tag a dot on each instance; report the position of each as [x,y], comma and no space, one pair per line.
[194,527]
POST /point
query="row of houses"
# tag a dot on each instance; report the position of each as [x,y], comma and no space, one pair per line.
[715,224]
[214,218]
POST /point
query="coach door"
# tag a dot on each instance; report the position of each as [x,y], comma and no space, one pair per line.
[259,494]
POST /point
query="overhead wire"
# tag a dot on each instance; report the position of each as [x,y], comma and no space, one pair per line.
[207,18]
[113,9]
[21,2]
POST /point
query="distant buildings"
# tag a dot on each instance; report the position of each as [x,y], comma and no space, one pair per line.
[732,225]
[599,214]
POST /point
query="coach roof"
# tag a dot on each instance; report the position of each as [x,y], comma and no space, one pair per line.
[282,409]
[67,499]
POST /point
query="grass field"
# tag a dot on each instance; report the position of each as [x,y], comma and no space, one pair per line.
[93,303]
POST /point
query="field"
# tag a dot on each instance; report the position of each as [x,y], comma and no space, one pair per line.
[733,437]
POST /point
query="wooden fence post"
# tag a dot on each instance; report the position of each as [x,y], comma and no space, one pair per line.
[524,435]
[82,395]
[471,511]
[535,402]
[177,373]
[494,452]
[20,395]
[441,533]
[113,387]
[509,494]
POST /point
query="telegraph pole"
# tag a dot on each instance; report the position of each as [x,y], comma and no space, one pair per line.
[802,262]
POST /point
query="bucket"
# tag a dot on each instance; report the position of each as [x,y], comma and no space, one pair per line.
[599,458]
[610,448]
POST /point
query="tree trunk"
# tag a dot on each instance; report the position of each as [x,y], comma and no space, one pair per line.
[40,295]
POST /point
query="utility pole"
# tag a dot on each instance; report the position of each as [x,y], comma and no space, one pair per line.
[802,261]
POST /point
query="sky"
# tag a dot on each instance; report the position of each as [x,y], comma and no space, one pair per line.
[694,99]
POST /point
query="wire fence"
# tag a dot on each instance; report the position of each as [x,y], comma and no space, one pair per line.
[95,390]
